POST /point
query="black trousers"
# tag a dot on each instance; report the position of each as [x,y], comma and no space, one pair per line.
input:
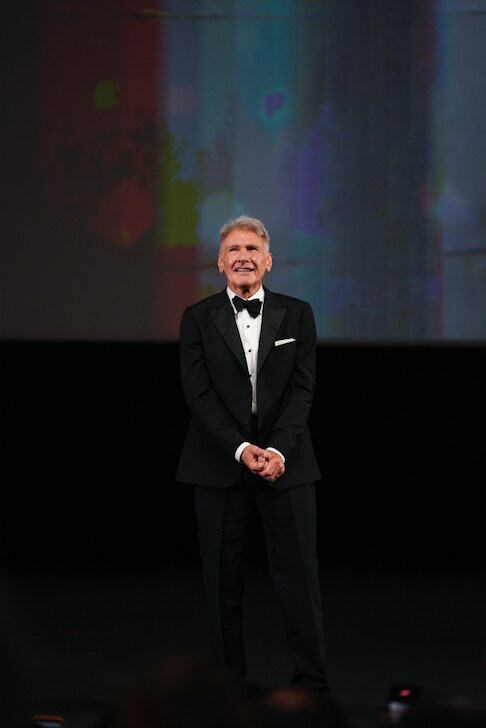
[289,522]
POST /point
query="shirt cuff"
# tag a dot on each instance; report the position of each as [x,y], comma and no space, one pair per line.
[239,450]
[274,449]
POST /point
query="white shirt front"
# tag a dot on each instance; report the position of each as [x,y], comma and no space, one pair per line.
[249,329]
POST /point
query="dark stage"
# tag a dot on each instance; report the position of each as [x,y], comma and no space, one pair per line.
[84,638]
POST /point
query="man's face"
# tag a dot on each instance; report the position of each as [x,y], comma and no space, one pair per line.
[244,261]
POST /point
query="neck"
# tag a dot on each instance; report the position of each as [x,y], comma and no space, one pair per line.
[245,291]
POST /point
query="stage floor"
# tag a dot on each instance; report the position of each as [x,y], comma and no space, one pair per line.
[78,640]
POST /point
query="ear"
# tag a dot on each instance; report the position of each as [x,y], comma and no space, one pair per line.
[269,264]
[220,264]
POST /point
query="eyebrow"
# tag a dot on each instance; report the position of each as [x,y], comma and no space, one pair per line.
[244,245]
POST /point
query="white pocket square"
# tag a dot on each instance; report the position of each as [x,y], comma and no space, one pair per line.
[283,341]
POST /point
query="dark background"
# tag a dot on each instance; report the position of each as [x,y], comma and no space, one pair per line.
[91,434]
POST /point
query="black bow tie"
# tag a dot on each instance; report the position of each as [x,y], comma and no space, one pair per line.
[253,306]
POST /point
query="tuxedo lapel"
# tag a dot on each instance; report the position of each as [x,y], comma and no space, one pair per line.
[273,314]
[224,320]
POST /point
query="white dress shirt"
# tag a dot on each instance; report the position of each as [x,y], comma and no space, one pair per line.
[249,329]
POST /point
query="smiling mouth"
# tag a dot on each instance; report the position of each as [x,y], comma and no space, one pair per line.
[244,270]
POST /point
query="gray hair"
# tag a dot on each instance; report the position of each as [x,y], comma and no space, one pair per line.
[245,222]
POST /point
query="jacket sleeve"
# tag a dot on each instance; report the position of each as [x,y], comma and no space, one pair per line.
[290,417]
[210,413]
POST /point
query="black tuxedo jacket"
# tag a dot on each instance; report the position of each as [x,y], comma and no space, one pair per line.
[217,388]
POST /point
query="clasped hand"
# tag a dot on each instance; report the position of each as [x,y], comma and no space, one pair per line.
[266,463]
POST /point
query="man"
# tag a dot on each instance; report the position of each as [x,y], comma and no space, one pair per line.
[248,379]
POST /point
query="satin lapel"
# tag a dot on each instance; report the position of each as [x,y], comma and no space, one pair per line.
[273,314]
[224,321]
